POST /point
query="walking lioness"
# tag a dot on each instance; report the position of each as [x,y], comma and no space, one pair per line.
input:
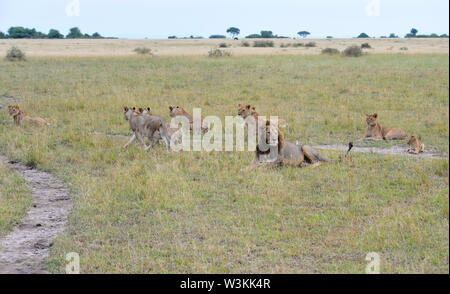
[375,131]
[20,116]
[145,126]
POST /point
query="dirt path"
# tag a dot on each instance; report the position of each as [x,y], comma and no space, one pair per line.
[392,150]
[24,250]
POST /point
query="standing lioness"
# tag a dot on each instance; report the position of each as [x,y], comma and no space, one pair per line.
[375,131]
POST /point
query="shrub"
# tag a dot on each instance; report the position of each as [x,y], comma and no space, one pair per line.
[282,45]
[15,54]
[330,51]
[352,51]
[363,35]
[223,45]
[143,50]
[245,44]
[403,48]
[218,53]
[253,36]
[298,45]
[263,44]
[365,46]
[217,37]
[310,44]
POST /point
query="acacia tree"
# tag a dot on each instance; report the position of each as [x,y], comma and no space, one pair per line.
[303,34]
[233,31]
[363,35]
[74,33]
[55,34]
[414,32]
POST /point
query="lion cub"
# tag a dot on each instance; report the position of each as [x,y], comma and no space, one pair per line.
[20,116]
[375,131]
[415,146]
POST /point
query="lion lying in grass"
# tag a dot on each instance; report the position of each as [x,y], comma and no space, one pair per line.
[247,111]
[179,111]
[415,146]
[375,131]
[273,150]
[20,116]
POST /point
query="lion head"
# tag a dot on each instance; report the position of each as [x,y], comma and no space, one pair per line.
[13,110]
[371,119]
[269,134]
[245,111]
[128,112]
[176,110]
[413,140]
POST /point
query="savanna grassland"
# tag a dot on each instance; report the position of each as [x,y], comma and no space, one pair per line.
[200,212]
[15,198]
[196,47]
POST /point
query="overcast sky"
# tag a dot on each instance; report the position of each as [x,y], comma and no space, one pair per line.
[161,18]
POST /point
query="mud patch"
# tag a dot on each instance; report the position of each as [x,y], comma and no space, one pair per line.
[23,251]
[391,150]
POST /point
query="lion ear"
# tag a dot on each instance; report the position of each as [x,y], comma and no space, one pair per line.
[141,109]
[375,115]
[170,107]
[248,106]
[239,105]
[254,108]
[367,114]
[148,108]
[134,108]
[125,108]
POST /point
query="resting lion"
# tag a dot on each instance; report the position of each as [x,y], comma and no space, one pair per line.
[20,116]
[273,150]
[415,146]
[180,111]
[375,131]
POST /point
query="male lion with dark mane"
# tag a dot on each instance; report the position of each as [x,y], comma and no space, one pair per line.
[273,150]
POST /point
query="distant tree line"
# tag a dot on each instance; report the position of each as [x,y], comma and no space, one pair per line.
[411,34]
[26,33]
[234,32]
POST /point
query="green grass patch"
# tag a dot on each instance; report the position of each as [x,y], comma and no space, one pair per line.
[15,198]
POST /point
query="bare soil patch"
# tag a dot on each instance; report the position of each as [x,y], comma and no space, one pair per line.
[430,152]
[24,250]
